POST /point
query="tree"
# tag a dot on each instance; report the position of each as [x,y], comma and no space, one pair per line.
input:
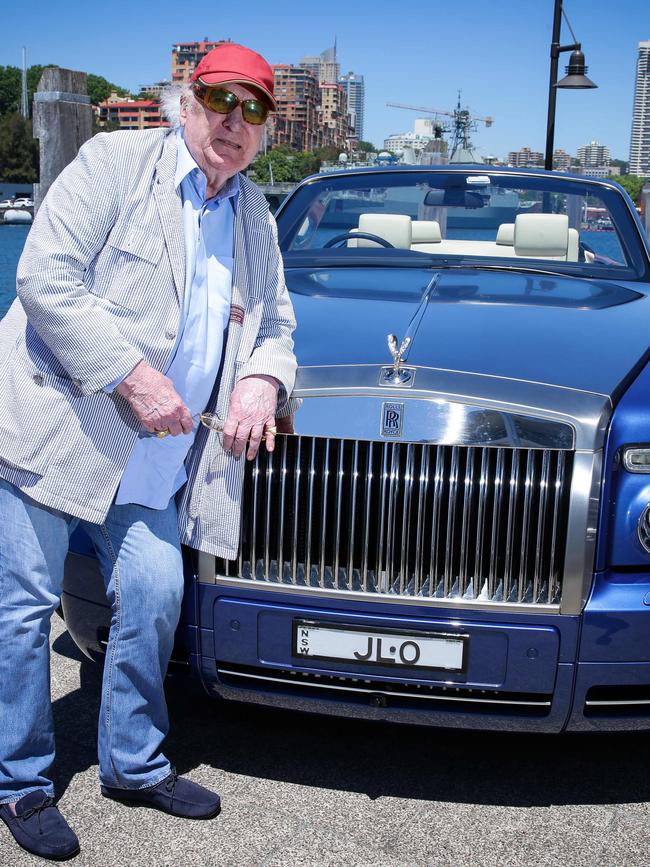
[100,89]
[18,150]
[622,164]
[9,89]
[366,147]
[287,166]
[632,184]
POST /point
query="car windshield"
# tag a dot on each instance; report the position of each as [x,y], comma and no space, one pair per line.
[503,218]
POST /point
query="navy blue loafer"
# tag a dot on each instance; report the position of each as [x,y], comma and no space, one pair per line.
[174,795]
[39,827]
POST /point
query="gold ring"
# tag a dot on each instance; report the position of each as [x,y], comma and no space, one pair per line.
[161,434]
[272,430]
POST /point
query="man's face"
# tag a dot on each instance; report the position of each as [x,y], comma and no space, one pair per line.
[221,144]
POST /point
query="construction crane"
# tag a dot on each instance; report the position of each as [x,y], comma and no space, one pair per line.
[460,127]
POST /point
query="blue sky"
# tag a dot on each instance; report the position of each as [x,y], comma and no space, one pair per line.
[420,53]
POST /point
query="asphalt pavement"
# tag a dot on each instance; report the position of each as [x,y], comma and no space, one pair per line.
[303,790]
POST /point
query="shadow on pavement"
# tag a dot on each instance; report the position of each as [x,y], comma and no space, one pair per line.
[376,759]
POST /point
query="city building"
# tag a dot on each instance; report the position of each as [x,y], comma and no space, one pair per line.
[593,155]
[324,67]
[333,115]
[417,140]
[526,158]
[640,141]
[355,92]
[130,113]
[296,122]
[186,55]
[597,171]
[561,160]
[155,89]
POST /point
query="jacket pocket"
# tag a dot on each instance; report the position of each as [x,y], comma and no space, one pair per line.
[127,272]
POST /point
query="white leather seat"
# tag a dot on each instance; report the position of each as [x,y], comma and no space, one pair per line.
[573,249]
[425,232]
[506,234]
[394,228]
[542,236]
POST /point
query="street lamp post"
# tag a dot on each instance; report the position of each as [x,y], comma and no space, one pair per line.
[575,78]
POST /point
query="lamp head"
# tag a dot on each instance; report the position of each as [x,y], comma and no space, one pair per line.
[575,77]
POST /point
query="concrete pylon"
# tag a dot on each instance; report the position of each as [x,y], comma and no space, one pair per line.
[62,123]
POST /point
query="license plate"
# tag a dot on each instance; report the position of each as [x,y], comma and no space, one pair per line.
[435,650]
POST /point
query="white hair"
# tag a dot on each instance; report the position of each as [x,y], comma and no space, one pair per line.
[171,100]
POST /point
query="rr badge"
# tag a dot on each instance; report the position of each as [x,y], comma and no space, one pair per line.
[392,419]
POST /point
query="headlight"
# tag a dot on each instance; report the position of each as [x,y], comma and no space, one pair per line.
[636,459]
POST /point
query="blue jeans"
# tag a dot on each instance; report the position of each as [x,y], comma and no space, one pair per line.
[140,558]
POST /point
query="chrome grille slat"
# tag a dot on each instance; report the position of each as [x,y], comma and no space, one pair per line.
[449,582]
[340,471]
[403,519]
[323,518]
[353,510]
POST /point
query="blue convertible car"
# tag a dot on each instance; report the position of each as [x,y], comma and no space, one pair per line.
[458,531]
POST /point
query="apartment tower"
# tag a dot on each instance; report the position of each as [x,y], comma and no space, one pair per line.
[640,143]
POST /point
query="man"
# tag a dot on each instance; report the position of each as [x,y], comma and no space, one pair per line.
[150,289]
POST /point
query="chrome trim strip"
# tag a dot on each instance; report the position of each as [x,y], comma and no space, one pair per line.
[305,683]
[581,531]
[533,414]
[359,596]
[617,703]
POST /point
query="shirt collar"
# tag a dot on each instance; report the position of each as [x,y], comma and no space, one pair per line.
[187,168]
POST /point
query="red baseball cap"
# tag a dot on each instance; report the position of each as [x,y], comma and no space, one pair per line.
[233,63]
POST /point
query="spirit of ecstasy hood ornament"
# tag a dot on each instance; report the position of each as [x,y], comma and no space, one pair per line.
[398,374]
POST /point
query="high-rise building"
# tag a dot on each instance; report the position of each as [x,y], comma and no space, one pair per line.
[334,115]
[593,155]
[296,122]
[525,158]
[324,66]
[640,142]
[186,55]
[355,91]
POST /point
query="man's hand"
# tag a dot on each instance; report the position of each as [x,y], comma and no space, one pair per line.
[154,400]
[251,411]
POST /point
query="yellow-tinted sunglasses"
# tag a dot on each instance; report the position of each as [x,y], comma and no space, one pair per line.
[223,101]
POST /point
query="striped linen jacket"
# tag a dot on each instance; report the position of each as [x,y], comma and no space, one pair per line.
[100,286]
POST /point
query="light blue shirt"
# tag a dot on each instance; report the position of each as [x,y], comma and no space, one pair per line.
[156,470]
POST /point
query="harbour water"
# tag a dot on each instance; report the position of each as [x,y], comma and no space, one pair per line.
[12,241]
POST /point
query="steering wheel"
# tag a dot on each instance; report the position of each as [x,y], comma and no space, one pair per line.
[366,236]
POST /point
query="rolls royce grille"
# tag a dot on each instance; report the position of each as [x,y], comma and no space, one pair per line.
[406,519]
